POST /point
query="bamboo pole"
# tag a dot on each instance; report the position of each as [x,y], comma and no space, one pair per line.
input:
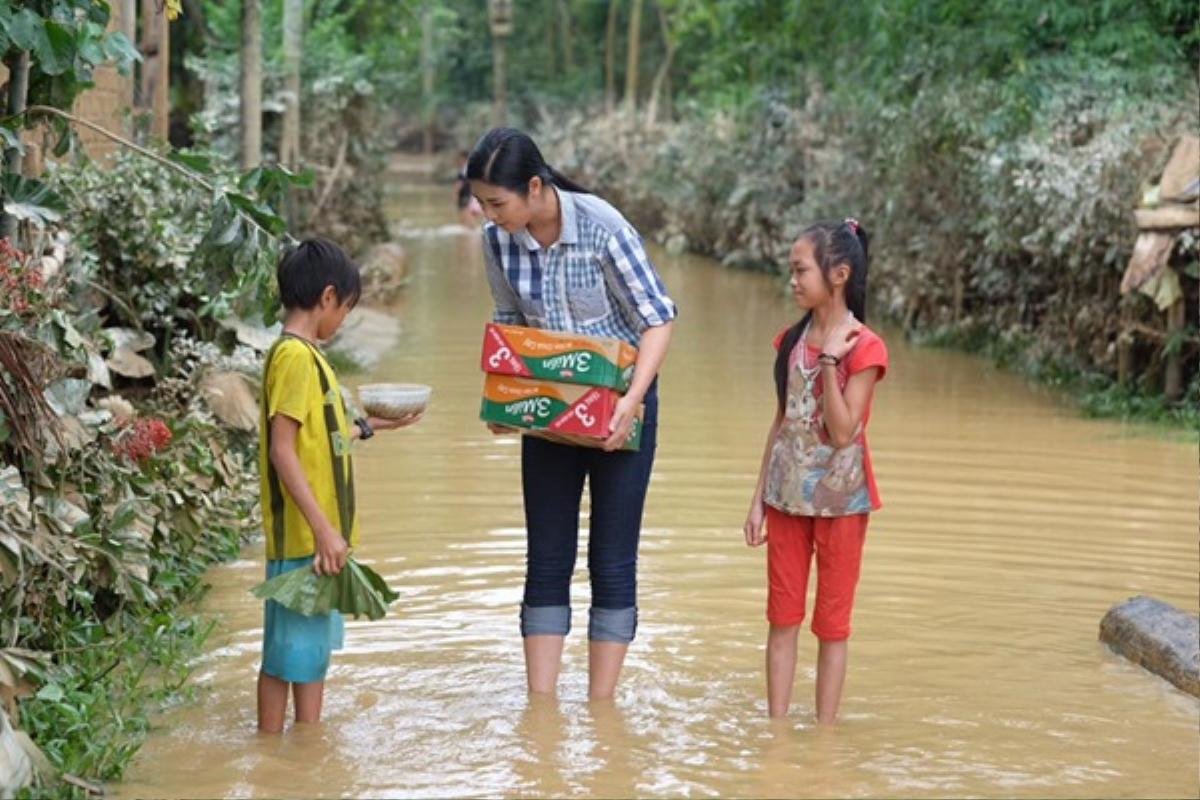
[610,57]
[428,78]
[1173,376]
[293,47]
[633,45]
[18,91]
[251,84]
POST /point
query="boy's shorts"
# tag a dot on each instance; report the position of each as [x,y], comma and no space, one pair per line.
[297,648]
[838,543]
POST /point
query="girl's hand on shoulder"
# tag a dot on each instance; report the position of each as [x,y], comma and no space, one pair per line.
[385,424]
[843,337]
[755,529]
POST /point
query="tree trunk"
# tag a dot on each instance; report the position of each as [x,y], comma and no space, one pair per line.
[148,48]
[1125,357]
[610,57]
[251,99]
[564,28]
[499,81]
[18,93]
[1173,378]
[194,11]
[664,69]
[428,77]
[293,43]
[156,54]
[959,291]
[631,62]
[668,101]
[129,19]
[551,43]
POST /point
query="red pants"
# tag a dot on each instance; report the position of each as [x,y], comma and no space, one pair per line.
[838,543]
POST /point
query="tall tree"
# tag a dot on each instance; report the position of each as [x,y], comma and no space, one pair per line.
[129,19]
[293,46]
[428,77]
[18,64]
[156,71]
[658,89]
[610,57]
[548,16]
[499,81]
[631,64]
[251,89]
[564,28]
[500,20]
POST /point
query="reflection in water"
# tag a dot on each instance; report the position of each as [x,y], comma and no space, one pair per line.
[1009,526]
[542,732]
[615,745]
[797,761]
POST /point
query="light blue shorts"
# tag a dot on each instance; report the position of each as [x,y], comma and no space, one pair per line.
[296,648]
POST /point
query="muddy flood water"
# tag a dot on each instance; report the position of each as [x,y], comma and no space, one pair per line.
[1010,525]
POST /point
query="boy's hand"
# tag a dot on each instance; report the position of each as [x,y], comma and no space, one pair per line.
[331,554]
[383,424]
[755,528]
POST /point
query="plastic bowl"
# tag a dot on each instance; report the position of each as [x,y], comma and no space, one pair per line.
[394,400]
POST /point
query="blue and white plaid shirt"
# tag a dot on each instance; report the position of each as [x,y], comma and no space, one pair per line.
[595,280]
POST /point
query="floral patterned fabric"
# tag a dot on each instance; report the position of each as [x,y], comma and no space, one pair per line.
[806,474]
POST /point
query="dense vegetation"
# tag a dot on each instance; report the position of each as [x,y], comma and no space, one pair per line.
[995,149]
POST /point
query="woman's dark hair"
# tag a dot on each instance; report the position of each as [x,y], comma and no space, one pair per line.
[314,264]
[833,243]
[508,158]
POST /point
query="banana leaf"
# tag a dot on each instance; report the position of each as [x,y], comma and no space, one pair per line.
[356,591]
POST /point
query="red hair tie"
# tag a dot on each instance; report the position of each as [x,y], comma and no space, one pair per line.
[852,224]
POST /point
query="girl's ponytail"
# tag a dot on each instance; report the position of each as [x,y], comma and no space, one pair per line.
[563,182]
[786,345]
[856,287]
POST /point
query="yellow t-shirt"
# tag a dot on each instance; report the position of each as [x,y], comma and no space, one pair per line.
[292,387]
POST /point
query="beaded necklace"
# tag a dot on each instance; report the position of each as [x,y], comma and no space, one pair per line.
[806,372]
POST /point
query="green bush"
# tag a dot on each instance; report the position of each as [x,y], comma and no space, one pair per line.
[154,243]
[978,225]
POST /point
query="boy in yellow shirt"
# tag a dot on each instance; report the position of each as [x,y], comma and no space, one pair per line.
[306,473]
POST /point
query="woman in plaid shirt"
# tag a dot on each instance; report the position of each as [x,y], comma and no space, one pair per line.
[560,258]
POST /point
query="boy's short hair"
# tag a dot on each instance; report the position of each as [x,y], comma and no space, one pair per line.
[314,264]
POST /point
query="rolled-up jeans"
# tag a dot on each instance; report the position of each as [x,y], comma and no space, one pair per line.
[552,476]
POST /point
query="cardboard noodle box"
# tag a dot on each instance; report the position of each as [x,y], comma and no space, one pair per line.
[555,356]
[561,412]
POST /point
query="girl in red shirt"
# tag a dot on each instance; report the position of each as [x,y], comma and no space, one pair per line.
[816,488]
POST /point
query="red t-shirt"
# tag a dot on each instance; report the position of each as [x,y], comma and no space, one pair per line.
[806,475]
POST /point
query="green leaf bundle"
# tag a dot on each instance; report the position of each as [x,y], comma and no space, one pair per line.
[356,591]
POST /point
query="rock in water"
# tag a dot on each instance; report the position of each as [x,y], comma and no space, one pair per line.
[384,271]
[232,399]
[1157,636]
[676,244]
[366,335]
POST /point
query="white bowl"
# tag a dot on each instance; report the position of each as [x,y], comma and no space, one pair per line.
[394,400]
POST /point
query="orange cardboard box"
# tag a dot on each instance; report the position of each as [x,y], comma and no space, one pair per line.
[555,356]
[564,412]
